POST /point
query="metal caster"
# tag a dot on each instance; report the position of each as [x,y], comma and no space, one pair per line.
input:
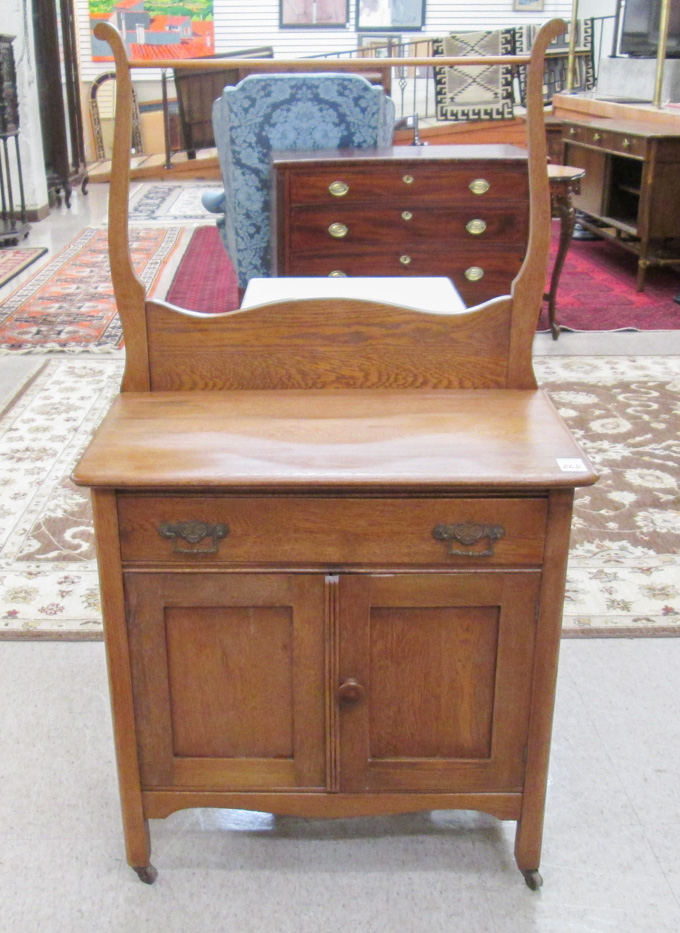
[533,879]
[148,874]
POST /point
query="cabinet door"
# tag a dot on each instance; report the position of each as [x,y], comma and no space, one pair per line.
[434,680]
[228,679]
[593,185]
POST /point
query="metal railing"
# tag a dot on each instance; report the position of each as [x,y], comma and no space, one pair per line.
[412,89]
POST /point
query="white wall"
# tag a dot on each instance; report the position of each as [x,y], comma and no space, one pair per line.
[245,23]
[17,21]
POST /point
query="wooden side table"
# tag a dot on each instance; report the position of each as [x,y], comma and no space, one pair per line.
[565,182]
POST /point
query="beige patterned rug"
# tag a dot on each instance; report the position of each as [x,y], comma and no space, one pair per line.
[624,568]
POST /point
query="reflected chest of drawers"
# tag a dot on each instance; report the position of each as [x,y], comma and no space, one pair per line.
[457,211]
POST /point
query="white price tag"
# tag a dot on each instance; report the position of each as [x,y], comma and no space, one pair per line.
[571,465]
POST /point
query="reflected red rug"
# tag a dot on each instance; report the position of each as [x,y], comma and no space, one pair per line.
[597,291]
[205,279]
[69,305]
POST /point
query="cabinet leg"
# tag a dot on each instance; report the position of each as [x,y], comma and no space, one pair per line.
[528,839]
[641,273]
[138,847]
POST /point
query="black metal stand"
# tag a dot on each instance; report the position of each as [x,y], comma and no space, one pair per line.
[13,225]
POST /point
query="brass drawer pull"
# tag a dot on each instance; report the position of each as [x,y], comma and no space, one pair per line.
[192,533]
[338,189]
[475,227]
[479,186]
[338,230]
[406,215]
[408,179]
[337,274]
[468,534]
[405,260]
[474,273]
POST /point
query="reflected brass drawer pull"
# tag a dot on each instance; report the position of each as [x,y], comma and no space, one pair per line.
[338,189]
[479,186]
[405,260]
[474,273]
[468,534]
[408,179]
[337,274]
[406,215]
[475,227]
[338,230]
[192,533]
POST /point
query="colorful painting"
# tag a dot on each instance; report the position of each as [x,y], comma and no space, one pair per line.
[156,29]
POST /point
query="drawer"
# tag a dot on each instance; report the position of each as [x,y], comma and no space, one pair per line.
[475,272]
[476,184]
[609,140]
[328,228]
[333,532]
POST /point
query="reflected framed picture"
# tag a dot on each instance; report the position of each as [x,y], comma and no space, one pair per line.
[528,6]
[319,14]
[387,15]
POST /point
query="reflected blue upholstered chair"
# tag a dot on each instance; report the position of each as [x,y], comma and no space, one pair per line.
[283,111]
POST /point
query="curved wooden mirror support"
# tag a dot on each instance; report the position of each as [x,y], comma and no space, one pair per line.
[333,343]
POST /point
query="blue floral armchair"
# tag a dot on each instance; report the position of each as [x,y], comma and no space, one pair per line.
[283,111]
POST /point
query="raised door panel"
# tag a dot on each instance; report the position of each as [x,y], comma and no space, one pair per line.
[591,196]
[443,665]
[228,679]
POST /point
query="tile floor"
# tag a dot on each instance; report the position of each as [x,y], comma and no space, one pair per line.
[611,858]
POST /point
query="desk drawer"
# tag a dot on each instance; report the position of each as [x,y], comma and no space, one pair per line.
[609,140]
[324,531]
[479,183]
[323,230]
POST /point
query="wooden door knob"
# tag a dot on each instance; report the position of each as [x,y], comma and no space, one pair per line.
[350,691]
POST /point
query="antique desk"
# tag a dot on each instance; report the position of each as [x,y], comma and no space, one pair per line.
[332,538]
[631,192]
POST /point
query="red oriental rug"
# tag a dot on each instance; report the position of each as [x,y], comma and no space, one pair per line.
[205,279]
[69,304]
[13,261]
[597,291]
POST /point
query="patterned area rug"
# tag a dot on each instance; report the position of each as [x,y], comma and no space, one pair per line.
[205,279]
[597,291]
[476,92]
[69,303]
[624,568]
[14,261]
[170,204]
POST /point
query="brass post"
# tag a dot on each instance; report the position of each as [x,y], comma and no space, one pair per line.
[571,60]
[661,52]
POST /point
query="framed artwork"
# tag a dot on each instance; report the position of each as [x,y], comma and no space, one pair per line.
[319,14]
[148,32]
[390,14]
[528,6]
